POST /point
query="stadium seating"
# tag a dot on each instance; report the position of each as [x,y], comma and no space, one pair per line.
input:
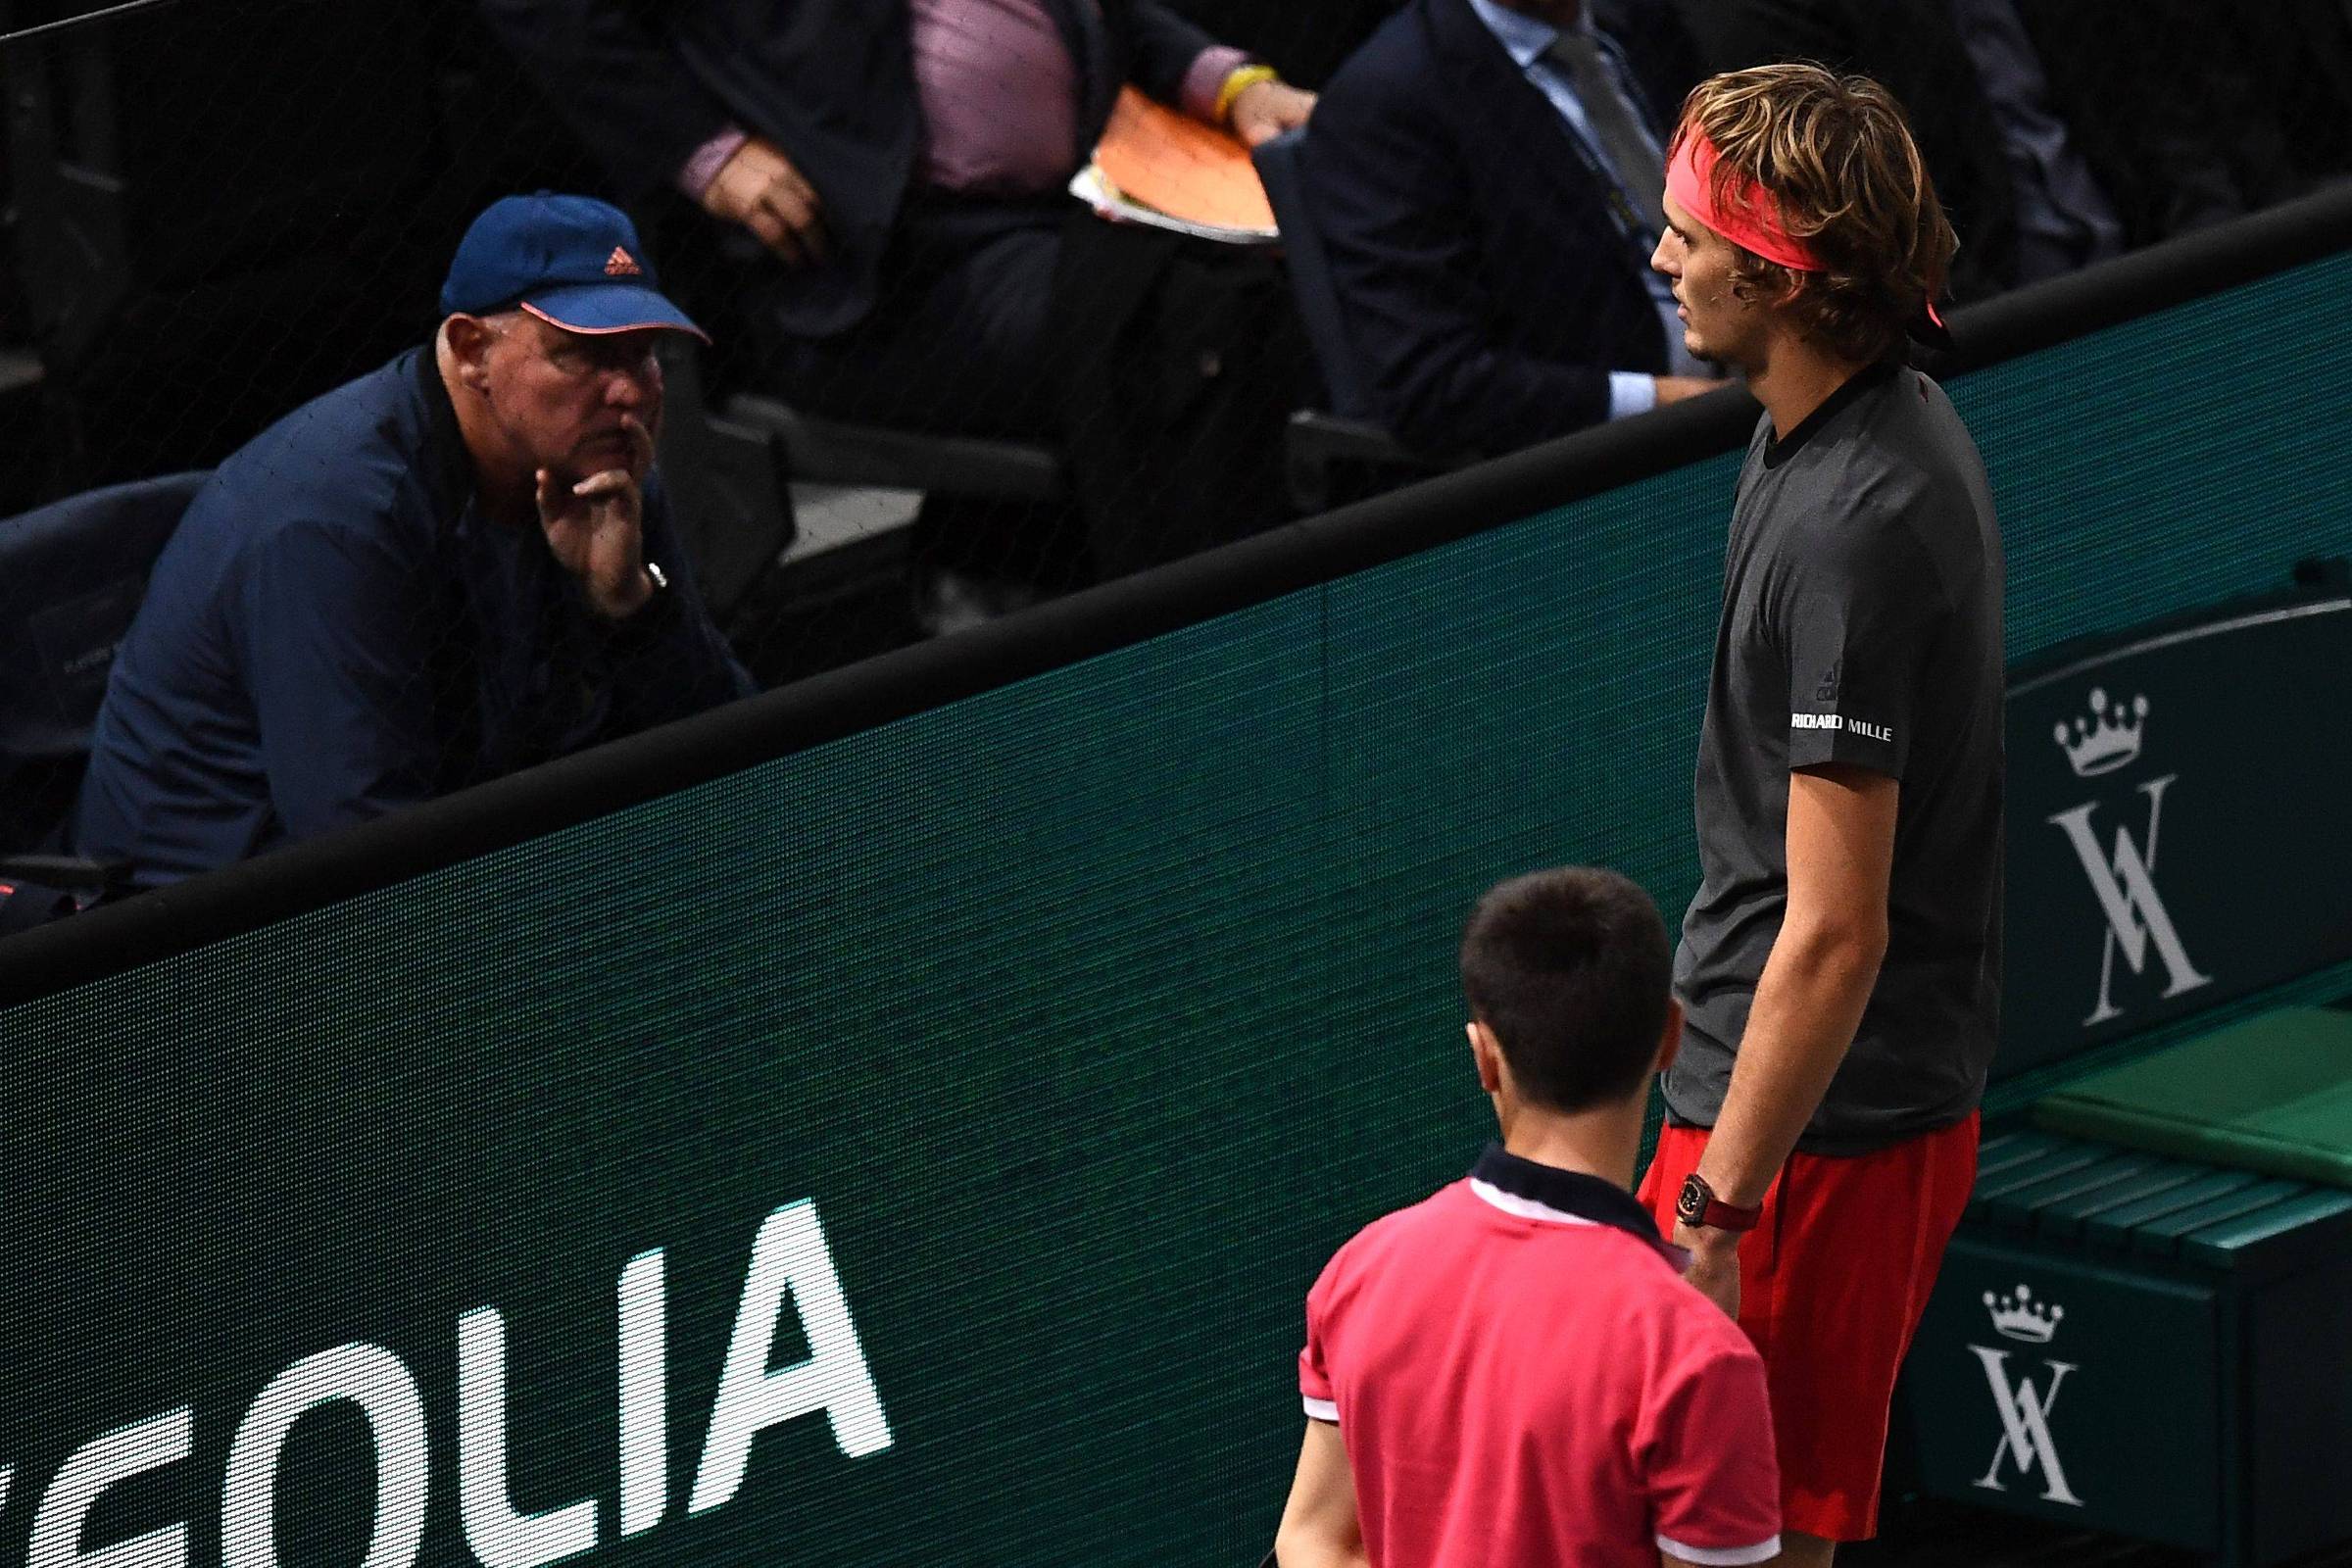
[1337,454]
[834,452]
[729,489]
[71,575]
[849,456]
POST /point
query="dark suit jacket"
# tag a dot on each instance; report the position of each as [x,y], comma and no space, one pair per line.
[645,83]
[1914,48]
[1478,270]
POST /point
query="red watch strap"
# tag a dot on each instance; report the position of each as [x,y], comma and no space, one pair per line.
[1723,1217]
[1712,1211]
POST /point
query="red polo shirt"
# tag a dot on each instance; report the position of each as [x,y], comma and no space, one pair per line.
[1522,1377]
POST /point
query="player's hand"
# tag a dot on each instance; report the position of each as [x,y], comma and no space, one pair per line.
[1675,388]
[1714,1264]
[1264,110]
[596,530]
[762,189]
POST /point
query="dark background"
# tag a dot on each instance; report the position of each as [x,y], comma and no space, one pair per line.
[218,209]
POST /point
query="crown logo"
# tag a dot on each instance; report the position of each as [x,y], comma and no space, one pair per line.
[2021,1317]
[2106,740]
[621,264]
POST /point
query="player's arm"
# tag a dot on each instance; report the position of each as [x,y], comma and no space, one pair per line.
[1319,1524]
[1809,999]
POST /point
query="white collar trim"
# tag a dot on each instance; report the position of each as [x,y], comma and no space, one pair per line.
[1525,1207]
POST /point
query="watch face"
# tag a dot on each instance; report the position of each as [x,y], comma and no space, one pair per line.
[1690,1206]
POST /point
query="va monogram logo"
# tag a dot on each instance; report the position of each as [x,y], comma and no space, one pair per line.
[2125,880]
[2024,1405]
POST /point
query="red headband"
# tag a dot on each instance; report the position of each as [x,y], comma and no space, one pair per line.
[1749,217]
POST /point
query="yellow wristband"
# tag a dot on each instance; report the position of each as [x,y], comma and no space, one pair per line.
[1237,81]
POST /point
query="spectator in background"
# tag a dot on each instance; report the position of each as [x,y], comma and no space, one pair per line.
[453,568]
[904,160]
[2064,216]
[1512,1371]
[1485,175]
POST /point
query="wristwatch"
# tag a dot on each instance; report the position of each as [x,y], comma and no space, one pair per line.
[1697,1205]
[650,618]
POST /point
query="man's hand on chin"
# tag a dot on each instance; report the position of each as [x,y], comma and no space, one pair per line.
[1714,1264]
[596,530]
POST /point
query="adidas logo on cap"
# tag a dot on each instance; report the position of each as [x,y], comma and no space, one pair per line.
[621,264]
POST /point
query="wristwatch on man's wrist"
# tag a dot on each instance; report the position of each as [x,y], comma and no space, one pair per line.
[653,612]
[1697,1207]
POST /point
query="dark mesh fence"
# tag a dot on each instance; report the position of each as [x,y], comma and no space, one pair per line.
[943,388]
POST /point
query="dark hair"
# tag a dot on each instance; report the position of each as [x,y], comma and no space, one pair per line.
[1571,970]
[1836,154]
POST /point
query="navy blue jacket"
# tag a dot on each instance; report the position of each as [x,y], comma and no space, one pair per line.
[335,630]
[645,83]
[1488,289]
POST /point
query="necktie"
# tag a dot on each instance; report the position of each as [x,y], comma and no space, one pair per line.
[1625,144]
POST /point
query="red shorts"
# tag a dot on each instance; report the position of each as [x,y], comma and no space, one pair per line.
[1831,1286]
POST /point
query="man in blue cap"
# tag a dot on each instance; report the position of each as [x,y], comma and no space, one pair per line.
[453,568]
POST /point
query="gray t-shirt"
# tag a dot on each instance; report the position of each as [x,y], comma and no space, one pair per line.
[1861,624]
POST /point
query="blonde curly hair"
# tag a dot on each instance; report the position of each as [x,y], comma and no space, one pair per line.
[1836,155]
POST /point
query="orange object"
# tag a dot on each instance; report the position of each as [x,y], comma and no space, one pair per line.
[1173,163]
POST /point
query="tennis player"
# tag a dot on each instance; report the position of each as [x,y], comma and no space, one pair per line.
[1511,1373]
[1840,964]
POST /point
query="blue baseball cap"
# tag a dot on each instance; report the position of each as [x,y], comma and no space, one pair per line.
[571,260]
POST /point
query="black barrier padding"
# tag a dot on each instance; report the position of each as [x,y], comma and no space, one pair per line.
[912,680]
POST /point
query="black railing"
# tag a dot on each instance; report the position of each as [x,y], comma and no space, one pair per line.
[510,810]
